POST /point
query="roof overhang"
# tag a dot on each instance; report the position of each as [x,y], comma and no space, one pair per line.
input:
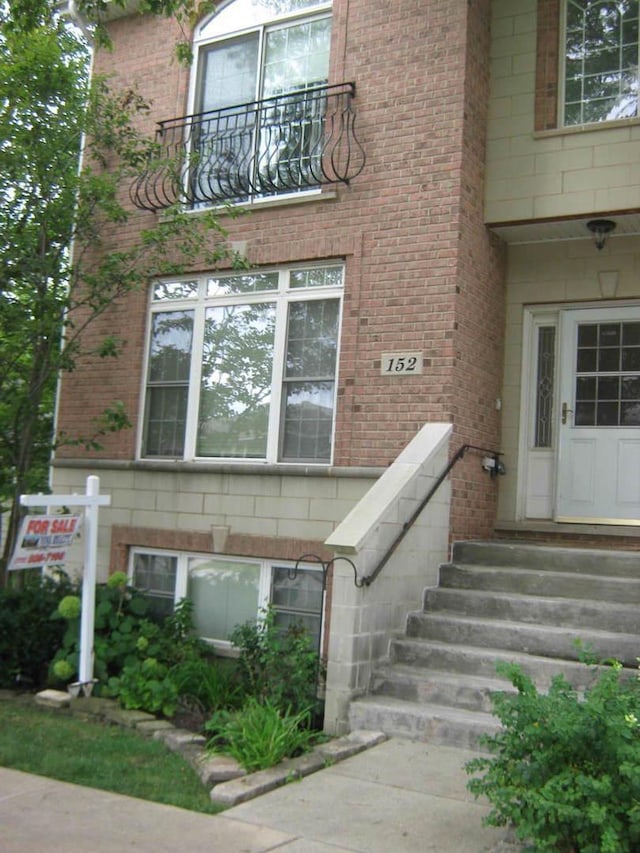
[557,230]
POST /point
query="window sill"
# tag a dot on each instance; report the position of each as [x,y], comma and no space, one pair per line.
[173,466]
[578,129]
[265,203]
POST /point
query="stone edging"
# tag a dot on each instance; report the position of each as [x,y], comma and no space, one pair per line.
[228,783]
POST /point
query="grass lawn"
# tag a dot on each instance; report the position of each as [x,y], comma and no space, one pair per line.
[54,744]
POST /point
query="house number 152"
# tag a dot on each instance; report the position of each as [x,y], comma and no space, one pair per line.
[395,363]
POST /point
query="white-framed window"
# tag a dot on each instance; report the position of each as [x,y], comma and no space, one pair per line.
[243,366]
[601,60]
[229,591]
[258,133]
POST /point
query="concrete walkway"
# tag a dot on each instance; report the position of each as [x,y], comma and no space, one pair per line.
[398,797]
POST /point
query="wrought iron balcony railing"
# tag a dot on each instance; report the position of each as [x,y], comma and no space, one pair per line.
[284,144]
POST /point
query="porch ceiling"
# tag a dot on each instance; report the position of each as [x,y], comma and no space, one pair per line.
[544,231]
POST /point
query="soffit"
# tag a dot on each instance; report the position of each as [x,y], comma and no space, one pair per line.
[545,231]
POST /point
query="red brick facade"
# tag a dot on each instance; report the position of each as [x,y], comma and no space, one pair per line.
[547,65]
[421,270]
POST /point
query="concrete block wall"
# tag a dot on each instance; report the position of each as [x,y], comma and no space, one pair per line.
[536,169]
[364,619]
[274,516]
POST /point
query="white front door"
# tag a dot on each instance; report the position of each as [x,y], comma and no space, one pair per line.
[598,472]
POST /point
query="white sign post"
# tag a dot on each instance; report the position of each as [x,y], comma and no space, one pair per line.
[91,501]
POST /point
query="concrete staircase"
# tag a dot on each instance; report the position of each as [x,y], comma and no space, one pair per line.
[501,602]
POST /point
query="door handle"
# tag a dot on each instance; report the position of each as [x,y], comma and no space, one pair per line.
[565,411]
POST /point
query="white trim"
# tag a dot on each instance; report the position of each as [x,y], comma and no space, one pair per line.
[183,558]
[281,298]
[533,318]
[562,39]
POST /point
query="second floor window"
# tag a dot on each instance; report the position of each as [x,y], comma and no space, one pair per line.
[601,61]
[243,366]
[262,70]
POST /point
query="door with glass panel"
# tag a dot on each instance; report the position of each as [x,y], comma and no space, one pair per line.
[598,475]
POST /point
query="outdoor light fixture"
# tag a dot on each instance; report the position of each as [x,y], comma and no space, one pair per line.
[600,228]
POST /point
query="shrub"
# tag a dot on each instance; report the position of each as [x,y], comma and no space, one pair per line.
[147,678]
[30,630]
[278,667]
[133,655]
[144,685]
[261,735]
[120,618]
[565,770]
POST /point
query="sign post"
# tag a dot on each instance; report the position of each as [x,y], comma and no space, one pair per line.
[91,501]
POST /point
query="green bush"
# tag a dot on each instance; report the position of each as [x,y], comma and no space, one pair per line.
[145,680]
[145,685]
[133,655]
[120,618]
[565,770]
[278,667]
[261,735]
[30,630]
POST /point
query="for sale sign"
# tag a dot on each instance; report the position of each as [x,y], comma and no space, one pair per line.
[44,540]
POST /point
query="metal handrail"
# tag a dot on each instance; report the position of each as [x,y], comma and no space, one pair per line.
[366,580]
[459,454]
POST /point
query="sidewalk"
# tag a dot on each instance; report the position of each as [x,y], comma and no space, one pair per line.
[398,797]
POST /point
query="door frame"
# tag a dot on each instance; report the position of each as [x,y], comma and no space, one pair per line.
[547,459]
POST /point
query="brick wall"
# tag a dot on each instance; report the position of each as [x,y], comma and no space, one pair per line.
[421,273]
[480,300]
[547,65]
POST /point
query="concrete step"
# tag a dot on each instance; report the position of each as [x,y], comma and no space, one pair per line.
[434,723]
[535,639]
[581,614]
[430,686]
[541,582]
[472,660]
[510,603]
[548,558]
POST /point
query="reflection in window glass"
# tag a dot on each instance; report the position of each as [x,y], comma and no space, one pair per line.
[601,60]
[297,598]
[241,14]
[322,277]
[224,594]
[237,365]
[228,591]
[155,576]
[309,379]
[253,342]
[249,52]
[168,384]
[250,283]
[174,290]
[607,390]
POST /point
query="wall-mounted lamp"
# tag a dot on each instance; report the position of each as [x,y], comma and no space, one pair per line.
[601,228]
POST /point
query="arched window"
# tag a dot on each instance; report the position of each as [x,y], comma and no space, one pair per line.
[262,69]
[264,120]
[254,49]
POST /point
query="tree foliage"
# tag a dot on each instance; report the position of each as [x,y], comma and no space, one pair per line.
[57,275]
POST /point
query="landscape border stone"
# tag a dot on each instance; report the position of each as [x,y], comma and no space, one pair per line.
[228,783]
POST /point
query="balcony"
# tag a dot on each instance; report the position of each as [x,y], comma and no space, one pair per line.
[286,144]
